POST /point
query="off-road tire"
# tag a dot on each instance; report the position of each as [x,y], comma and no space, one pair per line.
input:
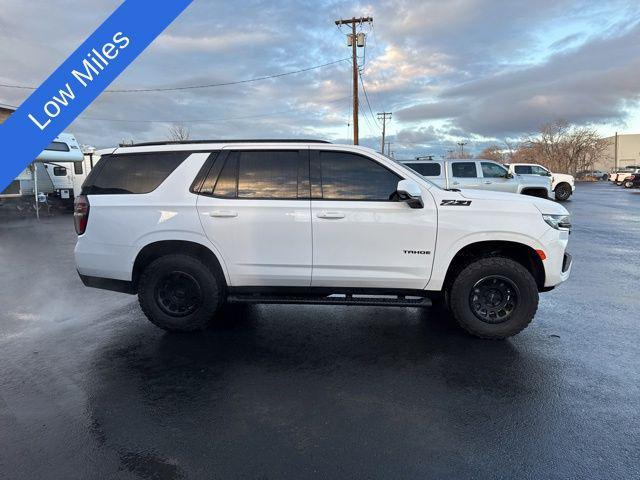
[562,192]
[208,285]
[463,286]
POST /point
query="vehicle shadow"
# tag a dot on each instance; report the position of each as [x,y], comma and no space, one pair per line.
[288,380]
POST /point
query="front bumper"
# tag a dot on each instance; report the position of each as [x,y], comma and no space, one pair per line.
[557,265]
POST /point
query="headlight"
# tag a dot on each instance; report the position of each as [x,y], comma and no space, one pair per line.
[559,222]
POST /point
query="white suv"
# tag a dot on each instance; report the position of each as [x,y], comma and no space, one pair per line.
[189,226]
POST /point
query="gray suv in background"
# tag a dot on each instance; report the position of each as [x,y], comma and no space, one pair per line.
[480,174]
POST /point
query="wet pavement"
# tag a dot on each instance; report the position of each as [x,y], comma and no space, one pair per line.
[90,389]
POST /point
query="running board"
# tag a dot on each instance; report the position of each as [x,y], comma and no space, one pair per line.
[363,300]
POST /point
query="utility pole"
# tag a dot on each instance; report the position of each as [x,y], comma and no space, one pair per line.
[615,155]
[389,153]
[355,41]
[462,144]
[384,116]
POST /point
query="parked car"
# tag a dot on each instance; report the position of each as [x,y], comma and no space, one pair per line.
[618,175]
[632,181]
[189,226]
[622,177]
[562,185]
[593,174]
[479,174]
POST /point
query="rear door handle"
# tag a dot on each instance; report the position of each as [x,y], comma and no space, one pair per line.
[488,182]
[223,214]
[331,215]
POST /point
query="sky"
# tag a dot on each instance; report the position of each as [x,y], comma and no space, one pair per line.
[474,71]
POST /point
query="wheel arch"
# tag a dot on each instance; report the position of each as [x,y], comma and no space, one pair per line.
[519,252]
[562,182]
[157,249]
[539,192]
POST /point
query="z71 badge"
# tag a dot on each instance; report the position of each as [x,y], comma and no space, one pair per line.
[456,203]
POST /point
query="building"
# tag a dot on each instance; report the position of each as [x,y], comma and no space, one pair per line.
[5,112]
[628,152]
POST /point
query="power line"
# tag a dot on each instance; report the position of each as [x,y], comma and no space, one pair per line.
[197,120]
[193,87]
[366,96]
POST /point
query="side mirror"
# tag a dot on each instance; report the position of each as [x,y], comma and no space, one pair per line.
[508,175]
[409,191]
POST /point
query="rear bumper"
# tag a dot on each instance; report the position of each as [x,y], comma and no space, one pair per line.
[121,286]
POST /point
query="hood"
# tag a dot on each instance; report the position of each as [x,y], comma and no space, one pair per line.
[545,206]
[563,177]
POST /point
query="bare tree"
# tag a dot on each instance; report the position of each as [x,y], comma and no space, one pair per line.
[493,152]
[178,132]
[562,147]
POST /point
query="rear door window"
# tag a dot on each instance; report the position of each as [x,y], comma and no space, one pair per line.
[261,174]
[464,169]
[523,169]
[425,169]
[132,173]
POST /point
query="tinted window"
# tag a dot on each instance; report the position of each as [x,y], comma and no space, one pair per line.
[426,169]
[464,169]
[58,147]
[132,173]
[227,183]
[59,171]
[268,174]
[522,169]
[77,168]
[491,170]
[347,176]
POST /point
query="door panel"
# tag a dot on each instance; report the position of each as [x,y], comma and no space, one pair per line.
[256,212]
[464,174]
[366,240]
[263,242]
[493,178]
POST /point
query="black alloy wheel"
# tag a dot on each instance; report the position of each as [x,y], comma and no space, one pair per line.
[493,299]
[178,294]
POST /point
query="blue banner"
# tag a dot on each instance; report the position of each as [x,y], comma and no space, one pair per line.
[80,79]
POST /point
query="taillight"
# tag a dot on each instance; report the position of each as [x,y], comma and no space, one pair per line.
[631,177]
[81,213]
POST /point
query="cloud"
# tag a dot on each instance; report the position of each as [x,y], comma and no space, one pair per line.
[476,69]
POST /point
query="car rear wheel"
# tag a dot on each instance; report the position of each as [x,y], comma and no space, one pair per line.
[180,293]
[494,297]
[563,192]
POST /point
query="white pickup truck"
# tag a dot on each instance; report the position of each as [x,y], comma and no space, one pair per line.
[190,226]
[562,184]
[479,174]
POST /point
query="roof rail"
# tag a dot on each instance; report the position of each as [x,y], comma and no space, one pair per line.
[189,142]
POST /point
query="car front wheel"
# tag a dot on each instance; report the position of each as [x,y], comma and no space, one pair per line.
[628,184]
[180,293]
[563,192]
[494,297]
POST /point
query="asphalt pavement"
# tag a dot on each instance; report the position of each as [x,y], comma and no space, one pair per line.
[90,389]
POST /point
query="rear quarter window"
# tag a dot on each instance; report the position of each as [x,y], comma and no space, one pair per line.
[136,173]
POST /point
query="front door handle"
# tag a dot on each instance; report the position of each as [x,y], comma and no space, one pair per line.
[488,182]
[223,214]
[331,215]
